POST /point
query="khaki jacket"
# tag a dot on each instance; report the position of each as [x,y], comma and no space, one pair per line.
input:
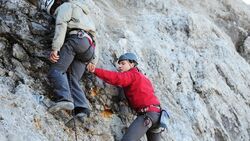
[72,15]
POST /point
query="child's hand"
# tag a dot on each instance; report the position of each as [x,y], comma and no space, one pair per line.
[91,67]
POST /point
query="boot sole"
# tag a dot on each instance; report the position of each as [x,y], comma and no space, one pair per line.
[61,106]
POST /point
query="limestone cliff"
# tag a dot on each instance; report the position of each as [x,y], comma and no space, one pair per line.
[196,53]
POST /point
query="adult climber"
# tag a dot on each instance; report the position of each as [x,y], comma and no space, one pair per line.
[73,47]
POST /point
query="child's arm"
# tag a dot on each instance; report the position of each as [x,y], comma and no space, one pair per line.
[122,79]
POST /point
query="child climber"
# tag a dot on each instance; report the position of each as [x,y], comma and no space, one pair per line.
[73,47]
[140,94]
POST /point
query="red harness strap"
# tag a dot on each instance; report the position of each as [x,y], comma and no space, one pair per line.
[91,42]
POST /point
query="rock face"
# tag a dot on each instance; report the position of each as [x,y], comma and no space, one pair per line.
[195,52]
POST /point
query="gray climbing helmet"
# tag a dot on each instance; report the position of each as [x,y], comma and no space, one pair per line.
[128,56]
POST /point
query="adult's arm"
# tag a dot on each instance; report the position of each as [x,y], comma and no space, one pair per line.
[63,15]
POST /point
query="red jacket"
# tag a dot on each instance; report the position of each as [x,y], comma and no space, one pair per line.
[137,88]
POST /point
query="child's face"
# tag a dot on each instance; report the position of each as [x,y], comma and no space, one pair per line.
[125,65]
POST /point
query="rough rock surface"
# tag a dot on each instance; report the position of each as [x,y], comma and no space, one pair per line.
[196,53]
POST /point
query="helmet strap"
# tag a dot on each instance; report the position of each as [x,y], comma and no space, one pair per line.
[132,65]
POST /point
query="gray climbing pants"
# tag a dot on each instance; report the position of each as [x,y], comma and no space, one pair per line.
[65,74]
[147,123]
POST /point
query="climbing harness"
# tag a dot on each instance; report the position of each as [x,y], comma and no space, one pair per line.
[88,54]
[81,33]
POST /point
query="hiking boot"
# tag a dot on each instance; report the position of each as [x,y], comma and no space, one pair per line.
[79,119]
[62,105]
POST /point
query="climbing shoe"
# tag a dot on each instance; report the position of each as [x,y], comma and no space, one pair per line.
[62,105]
[79,119]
